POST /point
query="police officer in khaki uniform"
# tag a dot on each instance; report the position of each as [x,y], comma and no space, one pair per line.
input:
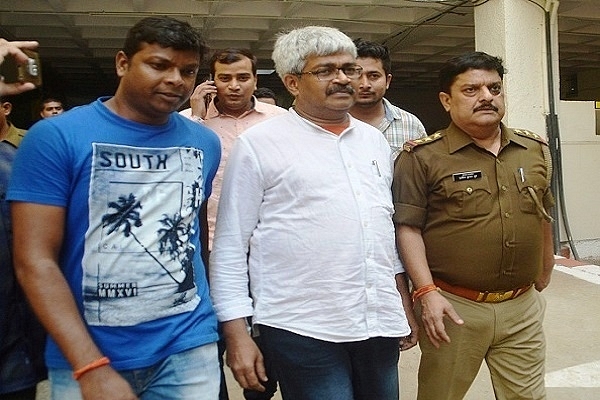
[471,214]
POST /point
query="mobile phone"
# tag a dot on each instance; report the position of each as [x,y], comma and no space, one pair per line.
[208,97]
[31,71]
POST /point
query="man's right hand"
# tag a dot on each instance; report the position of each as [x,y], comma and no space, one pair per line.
[243,356]
[105,383]
[434,307]
[198,98]
[15,49]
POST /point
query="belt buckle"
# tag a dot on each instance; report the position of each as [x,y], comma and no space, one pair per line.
[497,297]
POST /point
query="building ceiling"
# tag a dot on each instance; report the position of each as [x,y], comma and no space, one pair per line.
[79,38]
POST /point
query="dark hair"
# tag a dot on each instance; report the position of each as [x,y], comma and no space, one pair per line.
[167,32]
[365,48]
[265,92]
[474,60]
[229,56]
[47,100]
[51,99]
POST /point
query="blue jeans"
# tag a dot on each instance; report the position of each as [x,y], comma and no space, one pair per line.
[311,369]
[190,375]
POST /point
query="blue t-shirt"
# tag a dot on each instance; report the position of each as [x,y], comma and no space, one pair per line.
[131,248]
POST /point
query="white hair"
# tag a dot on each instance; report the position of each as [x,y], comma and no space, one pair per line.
[293,48]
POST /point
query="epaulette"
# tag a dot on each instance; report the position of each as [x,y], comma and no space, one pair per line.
[545,150]
[530,135]
[411,144]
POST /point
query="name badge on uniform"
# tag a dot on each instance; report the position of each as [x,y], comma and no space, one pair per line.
[466,176]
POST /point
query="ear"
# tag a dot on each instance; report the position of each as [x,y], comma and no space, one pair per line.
[446,100]
[6,108]
[388,81]
[121,63]
[291,83]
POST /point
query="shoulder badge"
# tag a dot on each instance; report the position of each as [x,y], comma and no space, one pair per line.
[530,135]
[411,144]
[545,150]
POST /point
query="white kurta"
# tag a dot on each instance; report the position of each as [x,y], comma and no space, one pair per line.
[314,211]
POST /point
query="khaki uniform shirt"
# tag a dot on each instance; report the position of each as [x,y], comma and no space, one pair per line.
[14,135]
[481,227]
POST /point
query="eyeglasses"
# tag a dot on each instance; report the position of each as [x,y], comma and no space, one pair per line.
[330,73]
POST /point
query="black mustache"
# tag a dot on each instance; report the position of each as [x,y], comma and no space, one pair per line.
[486,107]
[341,89]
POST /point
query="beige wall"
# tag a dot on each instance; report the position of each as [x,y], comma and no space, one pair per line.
[580,148]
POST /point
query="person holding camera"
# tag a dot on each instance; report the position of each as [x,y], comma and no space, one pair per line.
[15,49]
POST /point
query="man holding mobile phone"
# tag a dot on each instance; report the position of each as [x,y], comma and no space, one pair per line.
[231,110]
[225,104]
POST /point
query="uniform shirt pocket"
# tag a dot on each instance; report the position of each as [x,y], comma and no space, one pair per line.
[468,198]
[539,185]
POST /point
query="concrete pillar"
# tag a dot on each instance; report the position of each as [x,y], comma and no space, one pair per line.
[515,31]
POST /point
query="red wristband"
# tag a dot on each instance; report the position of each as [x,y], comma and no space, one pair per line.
[93,365]
[417,294]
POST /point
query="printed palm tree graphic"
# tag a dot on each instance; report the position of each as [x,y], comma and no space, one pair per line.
[172,241]
[126,217]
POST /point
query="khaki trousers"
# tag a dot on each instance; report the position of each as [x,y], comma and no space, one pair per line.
[507,335]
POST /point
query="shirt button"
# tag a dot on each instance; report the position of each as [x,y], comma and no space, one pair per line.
[507,214]
[504,188]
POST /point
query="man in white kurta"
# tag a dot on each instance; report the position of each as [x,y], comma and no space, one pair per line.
[305,219]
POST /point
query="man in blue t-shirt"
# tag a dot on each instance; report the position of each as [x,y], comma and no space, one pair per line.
[108,202]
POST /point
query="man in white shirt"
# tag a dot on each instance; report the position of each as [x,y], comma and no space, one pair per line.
[305,220]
